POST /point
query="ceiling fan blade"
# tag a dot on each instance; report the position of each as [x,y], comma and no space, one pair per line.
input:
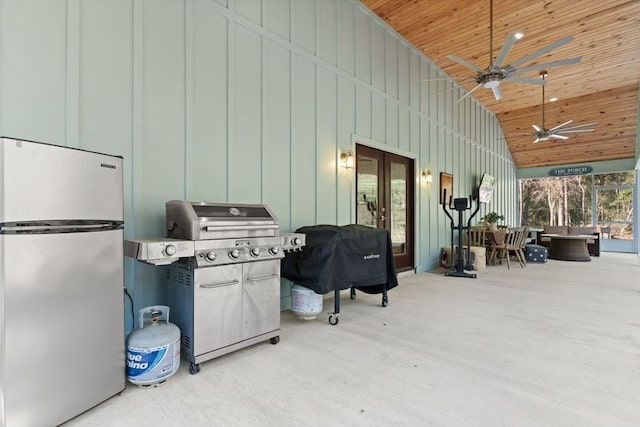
[497,92]
[580,126]
[433,80]
[464,63]
[554,136]
[548,65]
[469,93]
[526,80]
[443,91]
[561,131]
[451,78]
[537,128]
[536,141]
[568,122]
[508,44]
[542,51]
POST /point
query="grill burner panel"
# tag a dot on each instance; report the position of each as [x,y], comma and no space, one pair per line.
[228,251]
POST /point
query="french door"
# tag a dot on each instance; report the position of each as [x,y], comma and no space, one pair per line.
[384,199]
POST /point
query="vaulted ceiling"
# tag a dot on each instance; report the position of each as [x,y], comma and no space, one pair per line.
[602,87]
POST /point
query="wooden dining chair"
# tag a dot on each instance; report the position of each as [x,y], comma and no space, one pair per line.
[497,245]
[524,239]
[514,243]
[477,237]
[510,242]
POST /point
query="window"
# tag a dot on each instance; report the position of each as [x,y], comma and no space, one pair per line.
[604,199]
[556,201]
[613,204]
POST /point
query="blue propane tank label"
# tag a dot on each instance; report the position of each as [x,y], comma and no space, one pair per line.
[149,365]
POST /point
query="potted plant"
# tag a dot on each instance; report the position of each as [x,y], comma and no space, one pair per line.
[492,218]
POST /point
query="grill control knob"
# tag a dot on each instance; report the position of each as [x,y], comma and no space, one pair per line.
[234,253]
[170,250]
[274,250]
[295,241]
[211,256]
[255,252]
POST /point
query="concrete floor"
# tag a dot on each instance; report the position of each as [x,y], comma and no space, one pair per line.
[555,344]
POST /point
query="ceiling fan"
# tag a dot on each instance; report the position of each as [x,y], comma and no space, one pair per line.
[544,134]
[491,76]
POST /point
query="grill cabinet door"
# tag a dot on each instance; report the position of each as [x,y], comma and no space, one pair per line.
[217,307]
[261,298]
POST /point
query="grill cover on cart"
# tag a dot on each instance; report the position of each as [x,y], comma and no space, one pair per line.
[339,257]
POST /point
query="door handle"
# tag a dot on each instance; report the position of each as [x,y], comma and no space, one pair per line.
[217,285]
[258,279]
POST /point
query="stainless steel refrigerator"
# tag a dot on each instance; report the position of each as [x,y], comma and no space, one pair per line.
[61,282]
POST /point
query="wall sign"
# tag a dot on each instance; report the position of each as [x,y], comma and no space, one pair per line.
[576,170]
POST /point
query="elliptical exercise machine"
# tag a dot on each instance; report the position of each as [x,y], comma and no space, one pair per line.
[461,205]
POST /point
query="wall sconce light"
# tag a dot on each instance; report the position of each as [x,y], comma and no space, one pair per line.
[347,159]
[426,177]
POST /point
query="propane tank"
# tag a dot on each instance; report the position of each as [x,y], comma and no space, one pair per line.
[153,350]
[305,303]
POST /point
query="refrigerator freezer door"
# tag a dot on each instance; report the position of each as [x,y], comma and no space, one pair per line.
[48,182]
[63,328]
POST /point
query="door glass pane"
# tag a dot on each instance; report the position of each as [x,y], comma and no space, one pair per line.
[367,191]
[398,215]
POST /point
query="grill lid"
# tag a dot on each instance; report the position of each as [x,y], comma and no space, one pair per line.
[207,220]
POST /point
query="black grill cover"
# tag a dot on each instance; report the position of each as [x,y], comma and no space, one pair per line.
[339,257]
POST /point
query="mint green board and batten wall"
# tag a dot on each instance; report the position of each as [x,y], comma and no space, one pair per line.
[245,101]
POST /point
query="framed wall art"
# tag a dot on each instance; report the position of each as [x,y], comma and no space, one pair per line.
[446,183]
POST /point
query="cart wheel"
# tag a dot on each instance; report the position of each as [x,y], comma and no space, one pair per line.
[274,340]
[333,320]
[352,295]
[385,301]
[194,368]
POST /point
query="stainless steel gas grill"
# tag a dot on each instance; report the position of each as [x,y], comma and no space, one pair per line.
[227,295]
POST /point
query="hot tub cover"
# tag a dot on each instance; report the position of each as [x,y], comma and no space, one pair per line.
[340,257]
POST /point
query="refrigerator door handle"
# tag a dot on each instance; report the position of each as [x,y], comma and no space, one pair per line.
[59,226]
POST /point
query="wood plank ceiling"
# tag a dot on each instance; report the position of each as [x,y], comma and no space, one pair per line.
[602,88]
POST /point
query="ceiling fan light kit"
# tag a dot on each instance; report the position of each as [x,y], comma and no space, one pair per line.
[491,76]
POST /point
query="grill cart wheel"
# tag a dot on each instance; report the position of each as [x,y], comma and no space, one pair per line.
[353,293]
[334,319]
[385,301]
[274,340]
[194,368]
